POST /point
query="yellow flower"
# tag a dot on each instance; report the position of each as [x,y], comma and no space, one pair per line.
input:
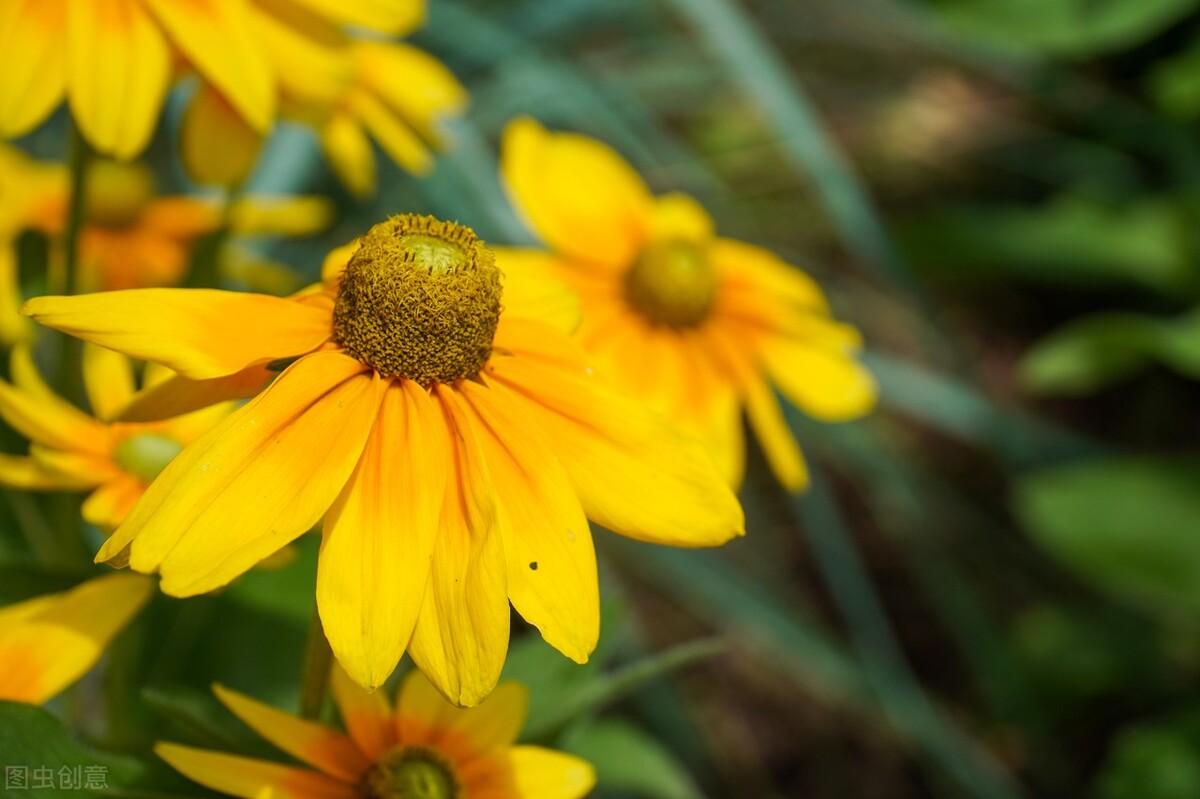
[71,451]
[454,444]
[348,89]
[113,60]
[49,642]
[697,325]
[131,237]
[424,749]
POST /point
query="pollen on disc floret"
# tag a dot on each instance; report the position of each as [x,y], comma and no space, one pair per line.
[420,299]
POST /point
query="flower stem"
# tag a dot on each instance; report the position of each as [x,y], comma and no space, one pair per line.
[206,257]
[314,678]
[70,381]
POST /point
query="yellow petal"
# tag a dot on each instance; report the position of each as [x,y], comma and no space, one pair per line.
[576,193]
[119,66]
[397,17]
[47,650]
[252,485]
[13,327]
[461,637]
[766,274]
[378,540]
[366,714]
[546,774]
[551,561]
[218,147]
[251,779]
[423,716]
[216,37]
[335,263]
[31,474]
[27,378]
[108,379]
[779,445]
[678,217]
[412,83]
[109,504]
[54,423]
[200,333]
[635,474]
[824,383]
[82,469]
[32,61]
[349,152]
[533,290]
[282,216]
[309,741]
[394,135]
[309,55]
[177,395]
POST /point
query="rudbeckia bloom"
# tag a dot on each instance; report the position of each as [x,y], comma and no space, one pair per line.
[424,749]
[133,237]
[49,642]
[72,451]
[697,325]
[453,438]
[113,60]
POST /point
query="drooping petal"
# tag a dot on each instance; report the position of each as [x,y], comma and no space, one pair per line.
[635,474]
[215,36]
[17,471]
[423,716]
[32,61]
[308,54]
[379,534]
[546,774]
[281,216]
[48,649]
[119,66]
[461,637]
[109,504]
[366,714]
[396,17]
[108,379]
[200,333]
[552,579]
[248,778]
[315,744]
[178,395]
[576,193]
[348,149]
[54,423]
[216,144]
[826,384]
[411,82]
[397,139]
[533,290]
[13,327]
[779,445]
[255,481]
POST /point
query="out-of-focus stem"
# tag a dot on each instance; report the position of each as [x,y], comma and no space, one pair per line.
[70,381]
[314,678]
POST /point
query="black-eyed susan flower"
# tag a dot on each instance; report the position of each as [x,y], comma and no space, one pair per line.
[423,749]
[434,412]
[114,60]
[132,237]
[72,451]
[50,641]
[697,325]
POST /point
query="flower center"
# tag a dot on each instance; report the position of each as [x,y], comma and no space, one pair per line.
[410,773]
[116,193]
[420,298]
[146,454]
[672,283]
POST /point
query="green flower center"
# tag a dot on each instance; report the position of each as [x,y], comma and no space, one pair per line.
[672,283]
[411,773]
[145,455]
[420,298]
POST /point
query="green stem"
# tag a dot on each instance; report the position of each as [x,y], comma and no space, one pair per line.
[206,258]
[70,381]
[318,662]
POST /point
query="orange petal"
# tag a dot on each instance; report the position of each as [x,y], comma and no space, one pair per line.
[251,779]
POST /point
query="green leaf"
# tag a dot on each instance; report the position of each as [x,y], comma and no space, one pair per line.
[41,748]
[1127,525]
[1175,83]
[1061,27]
[628,760]
[1150,763]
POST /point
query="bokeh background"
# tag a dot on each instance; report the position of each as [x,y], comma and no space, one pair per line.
[991,588]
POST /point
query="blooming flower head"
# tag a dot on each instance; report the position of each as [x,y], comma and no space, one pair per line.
[72,451]
[436,414]
[425,748]
[697,325]
[49,642]
[132,236]
[113,60]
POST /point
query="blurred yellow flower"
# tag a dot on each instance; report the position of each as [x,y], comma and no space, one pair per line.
[348,88]
[423,749]
[697,325]
[49,642]
[113,60]
[447,444]
[131,237]
[71,451]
